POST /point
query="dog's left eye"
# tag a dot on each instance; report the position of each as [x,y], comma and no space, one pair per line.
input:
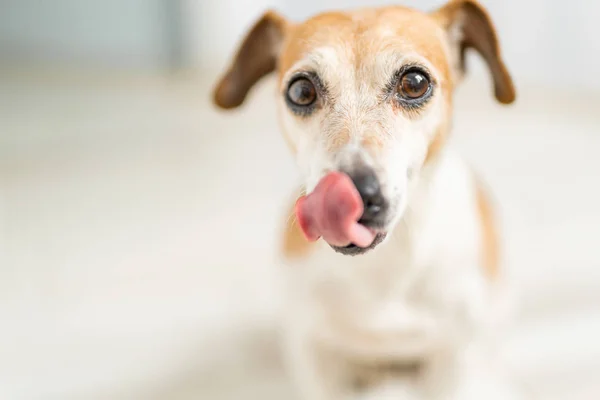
[413,85]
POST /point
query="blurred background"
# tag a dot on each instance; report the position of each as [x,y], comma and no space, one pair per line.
[139,226]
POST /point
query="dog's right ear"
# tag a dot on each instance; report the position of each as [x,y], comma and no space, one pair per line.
[256,58]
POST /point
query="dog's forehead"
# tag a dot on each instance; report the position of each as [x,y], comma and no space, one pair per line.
[366,38]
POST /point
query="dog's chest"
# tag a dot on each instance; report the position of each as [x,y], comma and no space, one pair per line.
[390,308]
[377,293]
[408,283]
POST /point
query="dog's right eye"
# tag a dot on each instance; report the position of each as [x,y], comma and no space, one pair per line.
[302,92]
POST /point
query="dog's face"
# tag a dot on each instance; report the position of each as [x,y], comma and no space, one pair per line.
[368,93]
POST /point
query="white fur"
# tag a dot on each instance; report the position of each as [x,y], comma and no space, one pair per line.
[419,296]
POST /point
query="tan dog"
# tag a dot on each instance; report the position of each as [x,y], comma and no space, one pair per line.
[368,93]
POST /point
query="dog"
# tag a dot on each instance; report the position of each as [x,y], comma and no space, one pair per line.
[397,292]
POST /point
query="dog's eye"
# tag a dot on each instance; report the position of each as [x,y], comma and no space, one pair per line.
[302,92]
[413,85]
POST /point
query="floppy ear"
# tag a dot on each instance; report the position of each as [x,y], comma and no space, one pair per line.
[256,58]
[470,27]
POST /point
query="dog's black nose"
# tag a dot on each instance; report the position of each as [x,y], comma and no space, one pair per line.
[374,203]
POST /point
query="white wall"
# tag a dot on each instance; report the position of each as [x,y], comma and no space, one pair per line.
[214,28]
[108,33]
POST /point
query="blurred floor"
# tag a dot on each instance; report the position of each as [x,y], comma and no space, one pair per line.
[139,236]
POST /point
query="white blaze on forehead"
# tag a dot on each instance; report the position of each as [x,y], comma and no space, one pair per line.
[332,57]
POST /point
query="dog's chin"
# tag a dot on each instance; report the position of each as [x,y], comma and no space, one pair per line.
[354,250]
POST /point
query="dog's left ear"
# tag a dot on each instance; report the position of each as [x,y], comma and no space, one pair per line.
[256,58]
[469,26]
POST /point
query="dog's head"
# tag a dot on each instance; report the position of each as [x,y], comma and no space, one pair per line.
[367,92]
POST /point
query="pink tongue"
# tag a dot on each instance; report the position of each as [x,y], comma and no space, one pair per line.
[332,211]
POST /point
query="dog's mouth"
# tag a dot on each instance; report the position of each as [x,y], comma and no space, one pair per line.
[333,211]
[354,250]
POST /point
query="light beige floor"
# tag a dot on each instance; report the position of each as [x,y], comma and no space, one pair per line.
[139,229]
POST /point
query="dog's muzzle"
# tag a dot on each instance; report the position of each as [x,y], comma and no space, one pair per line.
[347,209]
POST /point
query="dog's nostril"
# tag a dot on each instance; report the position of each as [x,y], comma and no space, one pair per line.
[372,208]
[371,213]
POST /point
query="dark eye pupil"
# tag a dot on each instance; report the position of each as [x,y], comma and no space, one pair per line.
[302,92]
[414,85]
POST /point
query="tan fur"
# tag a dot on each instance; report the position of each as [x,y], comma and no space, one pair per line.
[294,244]
[333,29]
[436,144]
[337,28]
[490,249]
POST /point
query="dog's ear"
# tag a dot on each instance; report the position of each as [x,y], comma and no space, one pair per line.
[256,58]
[469,27]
